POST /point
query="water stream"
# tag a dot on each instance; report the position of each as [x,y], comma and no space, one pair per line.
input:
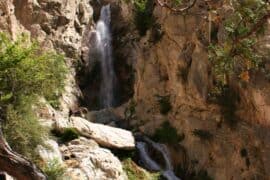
[150,163]
[104,49]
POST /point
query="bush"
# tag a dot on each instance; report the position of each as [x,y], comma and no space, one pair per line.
[228,99]
[134,172]
[143,15]
[69,134]
[130,111]
[54,170]
[22,130]
[164,104]
[167,134]
[26,73]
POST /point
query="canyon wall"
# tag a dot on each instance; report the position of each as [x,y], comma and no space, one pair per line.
[174,65]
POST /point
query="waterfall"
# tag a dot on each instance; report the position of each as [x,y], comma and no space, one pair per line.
[149,163]
[104,48]
[145,158]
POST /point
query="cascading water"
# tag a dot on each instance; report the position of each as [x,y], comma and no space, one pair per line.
[149,163]
[104,48]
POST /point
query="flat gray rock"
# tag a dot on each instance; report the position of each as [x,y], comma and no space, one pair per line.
[105,136]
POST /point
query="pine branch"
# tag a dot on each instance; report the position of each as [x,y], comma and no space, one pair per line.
[255,28]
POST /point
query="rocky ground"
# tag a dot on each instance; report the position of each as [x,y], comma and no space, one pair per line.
[87,157]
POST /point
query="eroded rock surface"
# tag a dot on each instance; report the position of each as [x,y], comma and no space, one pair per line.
[51,152]
[176,65]
[86,160]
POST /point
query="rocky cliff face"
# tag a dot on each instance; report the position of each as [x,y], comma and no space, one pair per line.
[57,25]
[175,66]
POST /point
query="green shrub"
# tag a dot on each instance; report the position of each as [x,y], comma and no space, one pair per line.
[177,2]
[53,100]
[164,104]
[134,172]
[202,134]
[22,130]
[143,15]
[167,134]
[54,170]
[69,134]
[130,111]
[26,73]
[228,99]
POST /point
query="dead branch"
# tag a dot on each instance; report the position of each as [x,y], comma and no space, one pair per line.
[175,9]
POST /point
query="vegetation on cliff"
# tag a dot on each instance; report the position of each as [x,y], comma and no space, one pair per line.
[26,73]
[135,172]
[143,15]
[54,170]
[237,54]
[167,134]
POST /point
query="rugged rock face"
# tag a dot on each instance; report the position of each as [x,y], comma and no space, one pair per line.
[50,153]
[58,23]
[176,66]
[86,160]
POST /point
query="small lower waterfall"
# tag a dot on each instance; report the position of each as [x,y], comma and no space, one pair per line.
[104,49]
[149,163]
[146,159]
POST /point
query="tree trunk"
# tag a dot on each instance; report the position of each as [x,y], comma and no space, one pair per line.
[17,166]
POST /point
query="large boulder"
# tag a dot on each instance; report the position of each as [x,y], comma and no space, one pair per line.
[86,160]
[104,135]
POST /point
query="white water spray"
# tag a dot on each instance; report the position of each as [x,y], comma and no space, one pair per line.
[150,163]
[104,48]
